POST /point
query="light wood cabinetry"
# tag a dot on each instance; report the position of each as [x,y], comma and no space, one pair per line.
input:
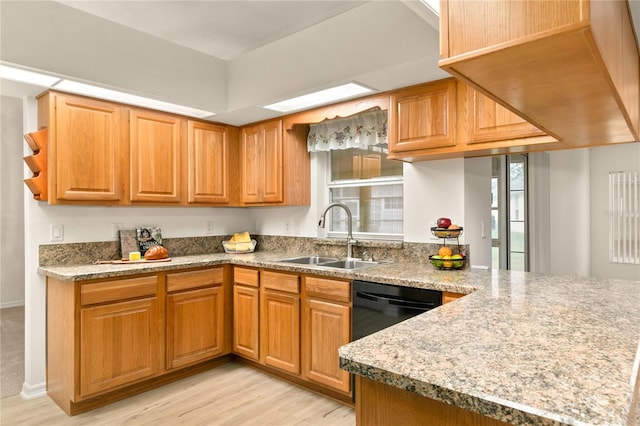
[261,159]
[157,153]
[212,164]
[88,149]
[326,325]
[422,117]
[246,313]
[448,296]
[571,68]
[195,316]
[280,321]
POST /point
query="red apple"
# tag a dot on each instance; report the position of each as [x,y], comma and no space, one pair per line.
[443,222]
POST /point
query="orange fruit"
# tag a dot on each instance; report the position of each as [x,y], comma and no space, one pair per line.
[444,251]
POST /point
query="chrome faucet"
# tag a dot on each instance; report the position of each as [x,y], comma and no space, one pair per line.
[350,241]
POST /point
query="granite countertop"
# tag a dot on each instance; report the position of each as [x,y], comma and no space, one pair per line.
[521,347]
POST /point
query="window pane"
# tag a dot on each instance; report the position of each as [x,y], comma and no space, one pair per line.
[516,170]
[517,237]
[363,164]
[495,257]
[494,193]
[375,208]
[517,205]
[495,224]
[516,262]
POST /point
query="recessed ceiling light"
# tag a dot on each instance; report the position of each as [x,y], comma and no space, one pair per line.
[321,97]
[113,95]
[24,76]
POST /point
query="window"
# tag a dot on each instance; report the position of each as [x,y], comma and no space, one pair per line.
[371,185]
[509,213]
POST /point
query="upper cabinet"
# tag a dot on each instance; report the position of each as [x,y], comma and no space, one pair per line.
[423,117]
[211,163]
[156,156]
[570,67]
[89,145]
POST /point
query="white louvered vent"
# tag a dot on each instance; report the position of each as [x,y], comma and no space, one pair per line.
[624,217]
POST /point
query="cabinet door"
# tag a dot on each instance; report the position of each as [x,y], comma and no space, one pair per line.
[246,321]
[423,117]
[280,330]
[251,162]
[89,145]
[208,165]
[327,326]
[272,157]
[119,344]
[156,157]
[195,326]
[490,121]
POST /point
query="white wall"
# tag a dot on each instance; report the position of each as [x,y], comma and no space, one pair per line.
[602,160]
[477,210]
[11,208]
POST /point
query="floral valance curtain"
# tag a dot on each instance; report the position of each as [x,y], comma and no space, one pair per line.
[362,131]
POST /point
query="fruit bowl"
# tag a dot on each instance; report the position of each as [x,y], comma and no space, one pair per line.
[446,233]
[447,264]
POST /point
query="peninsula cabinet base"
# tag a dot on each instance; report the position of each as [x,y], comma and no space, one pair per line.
[381,404]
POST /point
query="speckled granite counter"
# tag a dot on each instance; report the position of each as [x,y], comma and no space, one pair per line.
[523,348]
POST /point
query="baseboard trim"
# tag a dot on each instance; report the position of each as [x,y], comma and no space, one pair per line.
[33,391]
[13,304]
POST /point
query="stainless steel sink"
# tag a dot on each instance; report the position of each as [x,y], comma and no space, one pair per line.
[330,262]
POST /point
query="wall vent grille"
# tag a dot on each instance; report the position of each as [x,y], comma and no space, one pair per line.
[624,217]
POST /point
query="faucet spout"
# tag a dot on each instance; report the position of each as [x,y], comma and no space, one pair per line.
[350,241]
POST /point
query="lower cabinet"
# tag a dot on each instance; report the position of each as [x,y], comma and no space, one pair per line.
[246,313]
[280,320]
[326,325]
[195,316]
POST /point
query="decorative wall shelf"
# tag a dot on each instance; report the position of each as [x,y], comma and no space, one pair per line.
[37,163]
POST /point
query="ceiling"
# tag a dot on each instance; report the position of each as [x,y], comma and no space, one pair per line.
[307,39]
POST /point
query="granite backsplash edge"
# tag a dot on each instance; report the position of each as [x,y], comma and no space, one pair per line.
[87,253]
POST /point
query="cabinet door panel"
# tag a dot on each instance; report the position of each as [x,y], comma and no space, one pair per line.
[490,121]
[273,191]
[156,169]
[89,148]
[195,326]
[208,163]
[423,117]
[280,331]
[119,343]
[251,165]
[327,327]
[246,321]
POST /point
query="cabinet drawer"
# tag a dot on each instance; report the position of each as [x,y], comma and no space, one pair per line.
[109,291]
[283,282]
[245,276]
[323,288]
[194,279]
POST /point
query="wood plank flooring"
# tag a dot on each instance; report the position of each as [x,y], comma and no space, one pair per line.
[232,394]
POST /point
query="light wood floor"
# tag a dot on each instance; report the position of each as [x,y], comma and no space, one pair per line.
[232,394]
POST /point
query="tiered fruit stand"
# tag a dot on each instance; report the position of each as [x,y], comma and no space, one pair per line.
[440,262]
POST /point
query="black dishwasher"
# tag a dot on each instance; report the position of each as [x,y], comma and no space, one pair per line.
[377,306]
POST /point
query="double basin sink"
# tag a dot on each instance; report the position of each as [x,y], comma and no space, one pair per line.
[330,262]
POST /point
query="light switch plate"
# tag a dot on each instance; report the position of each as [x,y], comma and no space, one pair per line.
[56,232]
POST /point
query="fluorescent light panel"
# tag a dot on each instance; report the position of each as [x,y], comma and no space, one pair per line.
[321,97]
[29,77]
[113,95]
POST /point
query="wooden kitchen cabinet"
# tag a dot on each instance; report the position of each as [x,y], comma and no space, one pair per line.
[448,296]
[88,149]
[571,68]
[246,313]
[422,117]
[212,164]
[157,154]
[261,158]
[280,321]
[195,316]
[326,325]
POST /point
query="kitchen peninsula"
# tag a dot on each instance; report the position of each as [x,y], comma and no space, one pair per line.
[520,348]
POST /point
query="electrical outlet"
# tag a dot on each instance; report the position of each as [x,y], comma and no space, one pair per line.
[116,227]
[56,232]
[209,228]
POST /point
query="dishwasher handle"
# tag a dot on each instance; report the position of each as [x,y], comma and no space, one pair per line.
[397,301]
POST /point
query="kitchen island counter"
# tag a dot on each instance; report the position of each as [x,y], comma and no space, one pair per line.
[523,348]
